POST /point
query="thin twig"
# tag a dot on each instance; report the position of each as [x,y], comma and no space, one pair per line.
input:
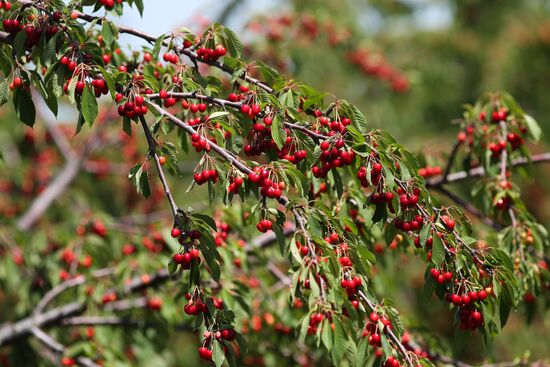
[154,155]
[468,207]
[452,158]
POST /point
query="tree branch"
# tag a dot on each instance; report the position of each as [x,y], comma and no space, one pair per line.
[56,291]
[468,207]
[153,153]
[58,185]
[480,171]
[452,159]
[58,348]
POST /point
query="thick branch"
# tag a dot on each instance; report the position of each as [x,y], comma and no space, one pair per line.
[56,291]
[12,331]
[58,348]
[58,186]
[480,171]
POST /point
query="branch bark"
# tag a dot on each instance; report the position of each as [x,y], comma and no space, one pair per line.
[480,171]
[57,186]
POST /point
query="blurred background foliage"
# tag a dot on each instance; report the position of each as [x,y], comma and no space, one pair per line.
[450,52]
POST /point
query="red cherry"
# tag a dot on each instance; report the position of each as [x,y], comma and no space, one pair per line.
[448,221]
[373,317]
[175,232]
[178,258]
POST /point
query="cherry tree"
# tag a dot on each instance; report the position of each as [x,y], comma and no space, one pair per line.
[279,266]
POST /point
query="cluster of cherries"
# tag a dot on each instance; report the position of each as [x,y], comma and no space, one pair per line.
[429,171]
[334,126]
[293,156]
[206,175]
[251,110]
[268,188]
[378,67]
[193,107]
[171,58]
[351,285]
[470,317]
[264,225]
[376,173]
[441,276]
[372,330]
[211,54]
[5,5]
[12,25]
[68,63]
[226,334]
[192,254]
[199,143]
[515,140]
[154,243]
[314,321]
[221,234]
[260,140]
[333,156]
[34,34]
[109,4]
[131,108]
[497,115]
[16,83]
[235,184]
[195,306]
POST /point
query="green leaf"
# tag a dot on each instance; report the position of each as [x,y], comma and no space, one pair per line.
[362,352]
[139,177]
[358,119]
[438,251]
[88,104]
[278,131]
[49,50]
[108,80]
[172,267]
[24,106]
[326,335]
[218,356]
[233,43]
[206,219]
[4,92]
[287,99]
[533,126]
[279,234]
[71,90]
[158,44]
[218,114]
[338,183]
[340,340]
[127,126]
[139,6]
[424,232]
[109,31]
[505,305]
[19,43]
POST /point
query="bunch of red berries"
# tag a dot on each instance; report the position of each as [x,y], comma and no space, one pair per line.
[333,156]
[211,54]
